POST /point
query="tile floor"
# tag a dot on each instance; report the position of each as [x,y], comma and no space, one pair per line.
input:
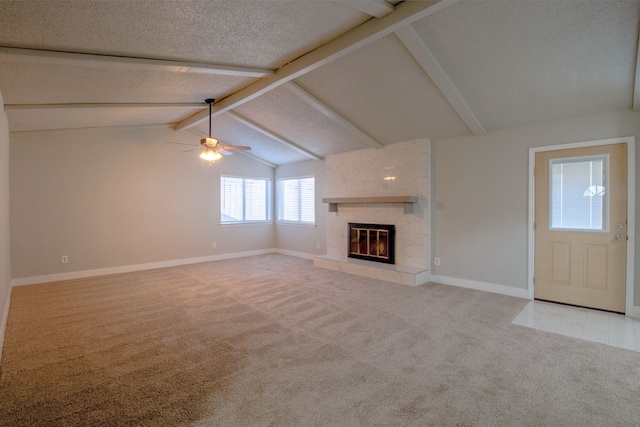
[612,329]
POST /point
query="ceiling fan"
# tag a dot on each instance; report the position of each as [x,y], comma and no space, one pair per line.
[211,149]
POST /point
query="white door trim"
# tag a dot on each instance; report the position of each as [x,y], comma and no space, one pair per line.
[631,173]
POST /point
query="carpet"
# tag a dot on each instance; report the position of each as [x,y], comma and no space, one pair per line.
[271,340]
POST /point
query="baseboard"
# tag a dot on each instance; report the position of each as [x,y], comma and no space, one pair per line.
[634,312]
[130,268]
[481,286]
[295,254]
[504,290]
[3,325]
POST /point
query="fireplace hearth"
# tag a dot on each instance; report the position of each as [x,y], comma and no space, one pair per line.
[372,242]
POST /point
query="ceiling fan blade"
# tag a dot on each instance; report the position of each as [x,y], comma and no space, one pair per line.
[224,152]
[193,149]
[232,147]
[181,143]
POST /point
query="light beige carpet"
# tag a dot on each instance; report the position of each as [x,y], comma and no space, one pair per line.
[271,340]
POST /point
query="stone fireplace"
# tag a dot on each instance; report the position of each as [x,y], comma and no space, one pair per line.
[380,186]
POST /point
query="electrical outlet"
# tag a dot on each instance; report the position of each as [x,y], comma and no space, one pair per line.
[436,261]
[213,245]
[64,259]
[317,245]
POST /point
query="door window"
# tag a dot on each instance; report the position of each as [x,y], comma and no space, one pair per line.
[578,194]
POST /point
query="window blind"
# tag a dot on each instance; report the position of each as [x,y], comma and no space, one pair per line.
[578,194]
[296,200]
[244,199]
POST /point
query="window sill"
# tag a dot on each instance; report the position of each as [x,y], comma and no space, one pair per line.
[224,224]
[296,224]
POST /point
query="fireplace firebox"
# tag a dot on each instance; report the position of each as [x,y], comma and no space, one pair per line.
[372,242]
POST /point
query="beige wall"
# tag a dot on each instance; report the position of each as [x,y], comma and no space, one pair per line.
[114,198]
[480,196]
[305,239]
[5,263]
[123,197]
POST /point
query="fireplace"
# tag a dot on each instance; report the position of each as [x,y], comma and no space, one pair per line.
[373,242]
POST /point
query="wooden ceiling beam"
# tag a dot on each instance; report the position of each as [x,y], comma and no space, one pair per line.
[195,105]
[328,112]
[40,56]
[405,14]
[375,8]
[429,63]
[266,132]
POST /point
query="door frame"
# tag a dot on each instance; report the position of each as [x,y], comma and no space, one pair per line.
[630,143]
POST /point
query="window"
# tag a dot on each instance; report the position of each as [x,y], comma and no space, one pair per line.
[578,193]
[297,200]
[245,200]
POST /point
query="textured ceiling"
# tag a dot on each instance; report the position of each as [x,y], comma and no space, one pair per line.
[302,79]
[231,132]
[35,119]
[254,33]
[520,62]
[382,90]
[24,83]
[297,121]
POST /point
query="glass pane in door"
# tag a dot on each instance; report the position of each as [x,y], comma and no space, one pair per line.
[578,193]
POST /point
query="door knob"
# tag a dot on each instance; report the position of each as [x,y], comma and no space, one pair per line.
[620,236]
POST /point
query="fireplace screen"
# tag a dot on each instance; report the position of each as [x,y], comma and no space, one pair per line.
[373,242]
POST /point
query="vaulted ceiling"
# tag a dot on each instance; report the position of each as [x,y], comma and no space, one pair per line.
[301,79]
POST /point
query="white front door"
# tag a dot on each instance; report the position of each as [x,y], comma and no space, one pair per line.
[581,226]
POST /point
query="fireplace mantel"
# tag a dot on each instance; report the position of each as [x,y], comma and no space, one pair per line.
[408,201]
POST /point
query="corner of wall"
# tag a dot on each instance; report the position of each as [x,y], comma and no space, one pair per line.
[634,312]
[5,258]
[5,318]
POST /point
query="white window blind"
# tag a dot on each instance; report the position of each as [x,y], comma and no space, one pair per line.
[578,193]
[245,199]
[297,200]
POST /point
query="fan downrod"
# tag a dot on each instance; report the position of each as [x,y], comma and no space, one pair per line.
[210,101]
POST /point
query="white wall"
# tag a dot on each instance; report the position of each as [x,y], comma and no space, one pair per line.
[303,239]
[113,198]
[480,203]
[5,261]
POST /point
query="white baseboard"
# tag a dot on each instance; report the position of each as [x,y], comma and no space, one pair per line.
[129,268]
[295,254]
[504,290]
[634,312]
[481,286]
[3,325]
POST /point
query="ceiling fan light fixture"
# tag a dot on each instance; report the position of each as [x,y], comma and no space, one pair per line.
[209,146]
[210,155]
[212,142]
